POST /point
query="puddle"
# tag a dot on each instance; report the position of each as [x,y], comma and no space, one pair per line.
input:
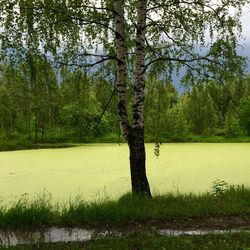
[54,235]
[167,232]
[51,235]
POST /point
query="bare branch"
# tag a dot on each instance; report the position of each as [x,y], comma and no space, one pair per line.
[85,54]
[170,4]
[76,6]
[87,65]
[87,21]
[105,109]
[201,73]
[184,60]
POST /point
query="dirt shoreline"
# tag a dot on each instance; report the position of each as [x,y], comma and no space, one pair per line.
[197,223]
[216,222]
[175,228]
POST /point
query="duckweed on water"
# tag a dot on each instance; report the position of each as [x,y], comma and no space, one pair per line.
[100,171]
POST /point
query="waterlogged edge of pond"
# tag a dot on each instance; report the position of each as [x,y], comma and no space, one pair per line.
[66,235]
[6,146]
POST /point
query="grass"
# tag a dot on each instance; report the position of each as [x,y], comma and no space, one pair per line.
[21,143]
[146,241]
[200,139]
[219,139]
[41,212]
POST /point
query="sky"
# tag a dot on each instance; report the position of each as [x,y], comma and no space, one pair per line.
[245,51]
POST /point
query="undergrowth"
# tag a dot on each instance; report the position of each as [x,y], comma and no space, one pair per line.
[43,212]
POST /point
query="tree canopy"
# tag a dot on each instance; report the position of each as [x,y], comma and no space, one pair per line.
[200,35]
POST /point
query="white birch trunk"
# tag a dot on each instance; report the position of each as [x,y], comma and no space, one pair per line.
[139,179]
[139,87]
[135,134]
[121,69]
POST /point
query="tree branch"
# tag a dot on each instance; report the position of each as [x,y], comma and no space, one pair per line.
[180,60]
[105,109]
[88,65]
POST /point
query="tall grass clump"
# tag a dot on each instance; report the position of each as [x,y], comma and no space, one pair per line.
[42,211]
[27,212]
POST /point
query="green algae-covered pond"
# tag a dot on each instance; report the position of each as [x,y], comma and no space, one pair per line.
[100,170]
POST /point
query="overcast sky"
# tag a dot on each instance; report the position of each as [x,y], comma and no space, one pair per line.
[243,50]
[246,33]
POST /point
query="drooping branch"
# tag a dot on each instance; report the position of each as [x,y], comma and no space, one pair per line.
[69,15]
[168,36]
[181,60]
[75,6]
[170,4]
[86,54]
[206,75]
[87,65]
[105,109]
[95,8]
[87,21]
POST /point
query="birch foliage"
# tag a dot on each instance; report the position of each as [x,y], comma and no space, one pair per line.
[200,35]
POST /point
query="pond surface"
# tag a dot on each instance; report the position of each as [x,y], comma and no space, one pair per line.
[102,170]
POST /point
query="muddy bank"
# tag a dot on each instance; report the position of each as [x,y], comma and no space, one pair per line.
[189,227]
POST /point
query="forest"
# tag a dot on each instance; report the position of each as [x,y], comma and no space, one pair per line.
[42,104]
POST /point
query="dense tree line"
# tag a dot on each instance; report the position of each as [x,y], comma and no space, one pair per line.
[55,106]
[205,109]
[74,105]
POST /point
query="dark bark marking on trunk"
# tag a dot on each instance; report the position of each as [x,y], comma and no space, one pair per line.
[140,185]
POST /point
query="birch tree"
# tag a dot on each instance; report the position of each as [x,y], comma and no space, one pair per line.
[133,39]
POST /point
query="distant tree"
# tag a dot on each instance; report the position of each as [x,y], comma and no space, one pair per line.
[248,85]
[201,113]
[9,99]
[176,124]
[244,114]
[5,110]
[80,108]
[47,97]
[160,96]
[221,98]
[153,36]
[231,122]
